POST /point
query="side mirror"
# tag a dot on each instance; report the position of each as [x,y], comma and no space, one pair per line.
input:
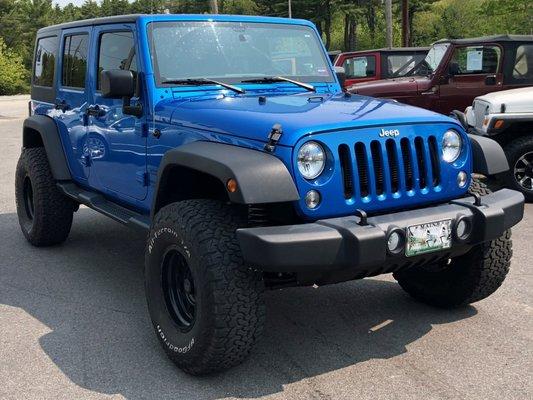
[117,84]
[341,76]
[490,80]
[453,69]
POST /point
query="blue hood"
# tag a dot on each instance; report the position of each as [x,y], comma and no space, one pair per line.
[298,115]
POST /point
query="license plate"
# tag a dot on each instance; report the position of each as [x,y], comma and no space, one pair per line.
[429,237]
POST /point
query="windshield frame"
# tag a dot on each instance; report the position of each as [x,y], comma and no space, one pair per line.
[326,79]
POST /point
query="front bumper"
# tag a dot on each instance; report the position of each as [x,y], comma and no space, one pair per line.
[343,243]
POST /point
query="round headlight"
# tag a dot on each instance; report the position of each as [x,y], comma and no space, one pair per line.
[451,146]
[311,160]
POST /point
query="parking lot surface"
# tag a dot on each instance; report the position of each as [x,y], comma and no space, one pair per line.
[74,325]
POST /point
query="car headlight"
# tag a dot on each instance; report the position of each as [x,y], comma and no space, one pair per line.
[311,160]
[451,146]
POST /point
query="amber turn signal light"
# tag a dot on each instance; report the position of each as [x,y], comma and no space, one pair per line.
[231,185]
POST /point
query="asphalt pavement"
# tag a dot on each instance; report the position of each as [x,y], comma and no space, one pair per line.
[74,325]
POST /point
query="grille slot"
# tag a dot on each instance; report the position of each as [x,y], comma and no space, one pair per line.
[434,156]
[362,168]
[393,165]
[419,147]
[399,163]
[375,149]
[347,172]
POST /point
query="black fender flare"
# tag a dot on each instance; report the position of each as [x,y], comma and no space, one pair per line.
[488,156]
[261,177]
[49,138]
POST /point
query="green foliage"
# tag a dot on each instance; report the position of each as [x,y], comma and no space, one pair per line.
[13,76]
[343,24]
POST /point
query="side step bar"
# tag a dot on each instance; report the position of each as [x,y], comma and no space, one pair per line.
[104,206]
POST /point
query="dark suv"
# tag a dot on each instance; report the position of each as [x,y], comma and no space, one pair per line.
[229,141]
[456,71]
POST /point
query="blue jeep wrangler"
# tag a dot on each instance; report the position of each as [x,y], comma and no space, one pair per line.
[228,139]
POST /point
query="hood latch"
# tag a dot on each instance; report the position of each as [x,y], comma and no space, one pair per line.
[273,138]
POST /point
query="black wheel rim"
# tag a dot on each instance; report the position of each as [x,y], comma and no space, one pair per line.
[28,198]
[179,289]
[523,171]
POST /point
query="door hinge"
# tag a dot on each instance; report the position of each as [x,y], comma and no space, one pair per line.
[144,130]
[146,179]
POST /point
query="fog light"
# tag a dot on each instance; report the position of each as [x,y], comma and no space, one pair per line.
[312,199]
[395,242]
[462,229]
[462,179]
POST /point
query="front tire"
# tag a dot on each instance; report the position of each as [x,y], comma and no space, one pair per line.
[465,279]
[44,213]
[520,157]
[206,306]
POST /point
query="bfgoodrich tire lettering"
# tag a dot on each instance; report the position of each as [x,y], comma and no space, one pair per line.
[228,296]
[468,278]
[44,213]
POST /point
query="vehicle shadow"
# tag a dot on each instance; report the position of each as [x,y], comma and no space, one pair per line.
[89,293]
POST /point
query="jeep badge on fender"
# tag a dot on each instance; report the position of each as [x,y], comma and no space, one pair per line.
[252,184]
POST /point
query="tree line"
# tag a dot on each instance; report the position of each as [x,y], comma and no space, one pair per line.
[344,24]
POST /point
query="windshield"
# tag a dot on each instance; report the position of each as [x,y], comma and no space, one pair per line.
[435,54]
[232,51]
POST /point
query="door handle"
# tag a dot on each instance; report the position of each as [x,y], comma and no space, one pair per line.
[61,105]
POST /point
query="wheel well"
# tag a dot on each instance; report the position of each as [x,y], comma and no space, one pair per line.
[179,183]
[31,138]
[514,131]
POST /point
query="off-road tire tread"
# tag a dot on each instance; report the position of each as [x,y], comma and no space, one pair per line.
[465,284]
[53,210]
[513,150]
[236,290]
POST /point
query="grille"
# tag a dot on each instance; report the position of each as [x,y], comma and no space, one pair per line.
[380,168]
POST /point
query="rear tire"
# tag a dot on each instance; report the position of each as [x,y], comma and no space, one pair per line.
[44,213]
[467,278]
[519,154]
[206,306]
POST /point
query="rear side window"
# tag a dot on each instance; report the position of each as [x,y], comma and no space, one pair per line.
[75,61]
[360,67]
[523,63]
[45,61]
[117,51]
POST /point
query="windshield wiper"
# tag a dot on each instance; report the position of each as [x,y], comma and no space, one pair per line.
[274,79]
[203,81]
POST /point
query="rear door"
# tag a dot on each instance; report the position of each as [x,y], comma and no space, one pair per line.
[71,98]
[116,141]
[477,70]
[360,68]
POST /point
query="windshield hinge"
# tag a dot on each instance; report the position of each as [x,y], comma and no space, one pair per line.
[273,138]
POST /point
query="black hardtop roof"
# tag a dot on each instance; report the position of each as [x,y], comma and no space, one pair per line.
[116,19]
[489,39]
[390,50]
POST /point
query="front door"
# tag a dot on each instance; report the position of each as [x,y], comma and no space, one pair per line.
[361,68]
[72,97]
[472,71]
[116,142]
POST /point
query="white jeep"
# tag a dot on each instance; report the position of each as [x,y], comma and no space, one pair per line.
[507,117]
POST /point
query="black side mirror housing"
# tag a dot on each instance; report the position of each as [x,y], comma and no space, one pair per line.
[453,69]
[117,84]
[341,76]
[490,80]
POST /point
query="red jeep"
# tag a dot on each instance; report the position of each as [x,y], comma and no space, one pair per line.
[454,72]
[371,65]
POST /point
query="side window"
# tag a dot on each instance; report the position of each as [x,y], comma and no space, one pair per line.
[117,51]
[45,61]
[476,60]
[400,64]
[523,63]
[360,67]
[75,61]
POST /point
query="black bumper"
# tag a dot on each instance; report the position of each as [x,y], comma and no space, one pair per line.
[342,243]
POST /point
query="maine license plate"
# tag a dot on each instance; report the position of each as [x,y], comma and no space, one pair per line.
[429,237]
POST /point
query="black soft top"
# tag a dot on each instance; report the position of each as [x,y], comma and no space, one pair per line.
[489,39]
